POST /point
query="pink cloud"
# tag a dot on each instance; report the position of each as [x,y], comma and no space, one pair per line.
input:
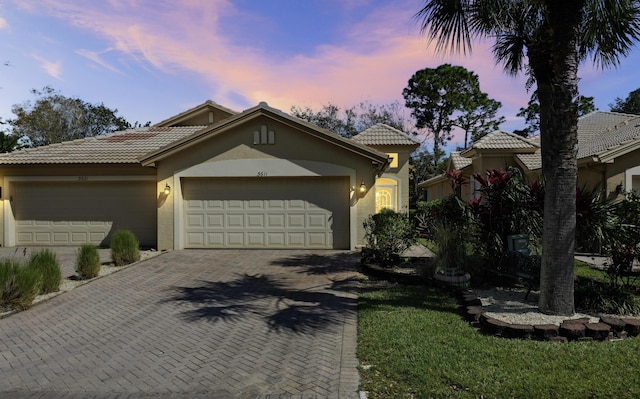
[373,62]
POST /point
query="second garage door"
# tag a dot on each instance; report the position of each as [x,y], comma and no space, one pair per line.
[308,212]
[75,213]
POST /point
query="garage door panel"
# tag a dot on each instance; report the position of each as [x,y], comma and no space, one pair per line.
[235,239]
[296,239]
[268,213]
[215,240]
[276,220]
[318,240]
[215,220]
[256,221]
[195,220]
[317,221]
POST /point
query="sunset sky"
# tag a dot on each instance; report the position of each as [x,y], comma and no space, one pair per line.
[152,59]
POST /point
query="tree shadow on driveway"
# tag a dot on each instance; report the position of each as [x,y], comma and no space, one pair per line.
[282,299]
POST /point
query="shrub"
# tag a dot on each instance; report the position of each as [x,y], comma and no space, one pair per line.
[451,211]
[388,234]
[47,264]
[124,248]
[19,285]
[600,297]
[88,262]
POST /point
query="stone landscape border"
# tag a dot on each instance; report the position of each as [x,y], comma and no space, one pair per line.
[608,328]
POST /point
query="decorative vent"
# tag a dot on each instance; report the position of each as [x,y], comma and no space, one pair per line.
[264,136]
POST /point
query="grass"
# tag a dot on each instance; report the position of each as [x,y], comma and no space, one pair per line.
[419,346]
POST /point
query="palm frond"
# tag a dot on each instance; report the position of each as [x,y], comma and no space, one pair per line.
[447,23]
[609,30]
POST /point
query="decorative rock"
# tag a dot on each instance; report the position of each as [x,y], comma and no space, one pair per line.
[474,313]
[521,331]
[616,324]
[572,330]
[598,331]
[493,326]
[632,326]
[562,340]
[545,332]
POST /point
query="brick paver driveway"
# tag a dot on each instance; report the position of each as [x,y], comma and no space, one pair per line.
[193,323]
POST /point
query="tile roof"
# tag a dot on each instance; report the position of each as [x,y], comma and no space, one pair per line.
[116,148]
[599,132]
[382,134]
[499,140]
[458,161]
[531,161]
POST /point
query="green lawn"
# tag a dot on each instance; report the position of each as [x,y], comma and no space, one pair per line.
[419,346]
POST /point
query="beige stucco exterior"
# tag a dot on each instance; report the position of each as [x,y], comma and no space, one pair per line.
[211,142]
[232,153]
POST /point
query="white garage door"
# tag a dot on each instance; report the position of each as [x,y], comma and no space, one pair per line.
[70,213]
[266,212]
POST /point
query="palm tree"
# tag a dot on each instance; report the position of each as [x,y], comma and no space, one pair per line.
[546,39]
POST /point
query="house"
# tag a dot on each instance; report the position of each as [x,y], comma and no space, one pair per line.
[608,156]
[209,177]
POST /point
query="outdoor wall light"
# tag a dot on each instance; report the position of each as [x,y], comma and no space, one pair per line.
[167,189]
[363,187]
[619,188]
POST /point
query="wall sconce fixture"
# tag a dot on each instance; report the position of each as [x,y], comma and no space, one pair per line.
[167,189]
[619,188]
[363,187]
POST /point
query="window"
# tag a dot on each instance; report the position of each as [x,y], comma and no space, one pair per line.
[394,159]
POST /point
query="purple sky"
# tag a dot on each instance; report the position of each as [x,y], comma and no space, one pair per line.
[152,59]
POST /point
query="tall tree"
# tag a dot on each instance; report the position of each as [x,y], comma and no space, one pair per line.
[479,118]
[448,96]
[353,120]
[547,39]
[531,114]
[630,105]
[53,118]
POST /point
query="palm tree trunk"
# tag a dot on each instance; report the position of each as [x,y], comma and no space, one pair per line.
[555,66]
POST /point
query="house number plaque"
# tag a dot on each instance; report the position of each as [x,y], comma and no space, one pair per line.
[262,174]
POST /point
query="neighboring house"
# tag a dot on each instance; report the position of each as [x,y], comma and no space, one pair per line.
[206,178]
[608,156]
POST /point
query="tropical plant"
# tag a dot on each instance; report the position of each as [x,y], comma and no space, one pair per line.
[387,235]
[622,240]
[125,248]
[46,263]
[450,251]
[546,39]
[88,262]
[595,219]
[450,210]
[504,205]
